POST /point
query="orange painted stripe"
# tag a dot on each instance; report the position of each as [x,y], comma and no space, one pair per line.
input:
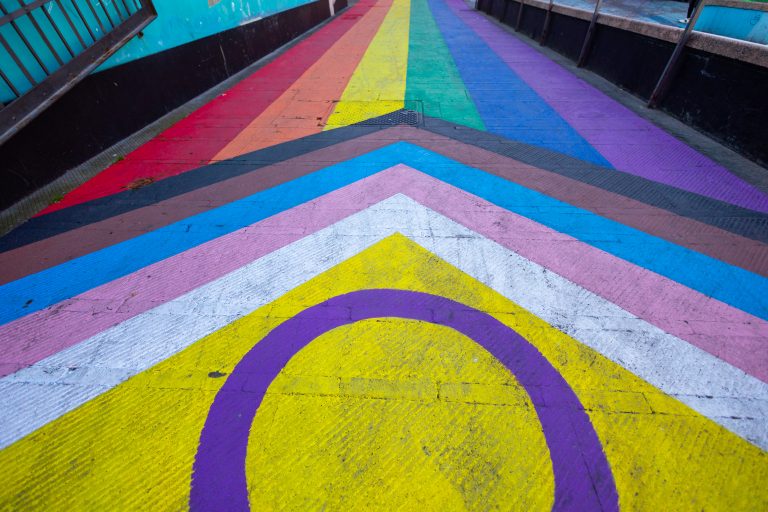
[303,109]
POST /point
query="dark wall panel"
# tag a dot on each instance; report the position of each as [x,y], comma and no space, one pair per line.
[511,17]
[484,5]
[632,61]
[497,8]
[532,21]
[723,97]
[566,35]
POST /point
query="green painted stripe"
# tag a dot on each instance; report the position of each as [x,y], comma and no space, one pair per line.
[433,78]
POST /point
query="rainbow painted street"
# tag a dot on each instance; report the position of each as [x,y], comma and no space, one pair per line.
[409,263]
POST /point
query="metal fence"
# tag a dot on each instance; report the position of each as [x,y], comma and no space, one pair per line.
[662,86]
[47,46]
[745,20]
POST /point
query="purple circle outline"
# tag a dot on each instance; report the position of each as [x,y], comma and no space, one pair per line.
[583,478]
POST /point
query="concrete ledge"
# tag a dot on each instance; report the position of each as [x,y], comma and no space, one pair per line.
[733,48]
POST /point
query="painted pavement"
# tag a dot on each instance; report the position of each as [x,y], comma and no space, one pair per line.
[410,262]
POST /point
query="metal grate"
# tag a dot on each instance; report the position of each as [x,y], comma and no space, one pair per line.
[407,117]
[47,46]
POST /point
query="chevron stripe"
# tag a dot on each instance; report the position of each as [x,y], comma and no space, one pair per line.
[735,337]
[731,285]
[675,367]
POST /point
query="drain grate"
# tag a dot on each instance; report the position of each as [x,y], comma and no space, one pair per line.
[375,113]
[404,116]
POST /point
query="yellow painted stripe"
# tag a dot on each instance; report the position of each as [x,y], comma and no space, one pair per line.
[381,412]
[377,86]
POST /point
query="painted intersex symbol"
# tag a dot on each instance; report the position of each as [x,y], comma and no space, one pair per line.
[583,478]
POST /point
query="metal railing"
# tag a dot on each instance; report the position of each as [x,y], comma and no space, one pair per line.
[598,8]
[47,46]
[670,70]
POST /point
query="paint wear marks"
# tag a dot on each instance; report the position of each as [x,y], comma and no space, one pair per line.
[219,478]
[304,108]
[527,299]
[196,139]
[377,86]
[340,386]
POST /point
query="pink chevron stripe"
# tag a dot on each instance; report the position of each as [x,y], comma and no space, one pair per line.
[728,333]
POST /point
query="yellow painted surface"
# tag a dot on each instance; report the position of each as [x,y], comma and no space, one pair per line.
[384,438]
[377,86]
[381,414]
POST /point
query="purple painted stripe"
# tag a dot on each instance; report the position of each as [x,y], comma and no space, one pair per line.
[631,143]
[583,478]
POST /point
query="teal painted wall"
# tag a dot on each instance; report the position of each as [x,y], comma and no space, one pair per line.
[744,24]
[181,21]
[178,22]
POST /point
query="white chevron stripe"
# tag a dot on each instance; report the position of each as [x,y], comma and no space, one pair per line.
[45,391]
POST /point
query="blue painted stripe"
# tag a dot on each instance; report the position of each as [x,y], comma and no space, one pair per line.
[507,104]
[735,286]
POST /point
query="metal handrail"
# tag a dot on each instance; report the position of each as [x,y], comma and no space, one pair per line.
[53,44]
[667,76]
[670,70]
[587,45]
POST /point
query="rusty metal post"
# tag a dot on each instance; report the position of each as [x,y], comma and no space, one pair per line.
[519,16]
[547,21]
[670,70]
[587,46]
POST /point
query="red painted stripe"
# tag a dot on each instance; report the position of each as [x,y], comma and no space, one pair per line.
[196,139]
